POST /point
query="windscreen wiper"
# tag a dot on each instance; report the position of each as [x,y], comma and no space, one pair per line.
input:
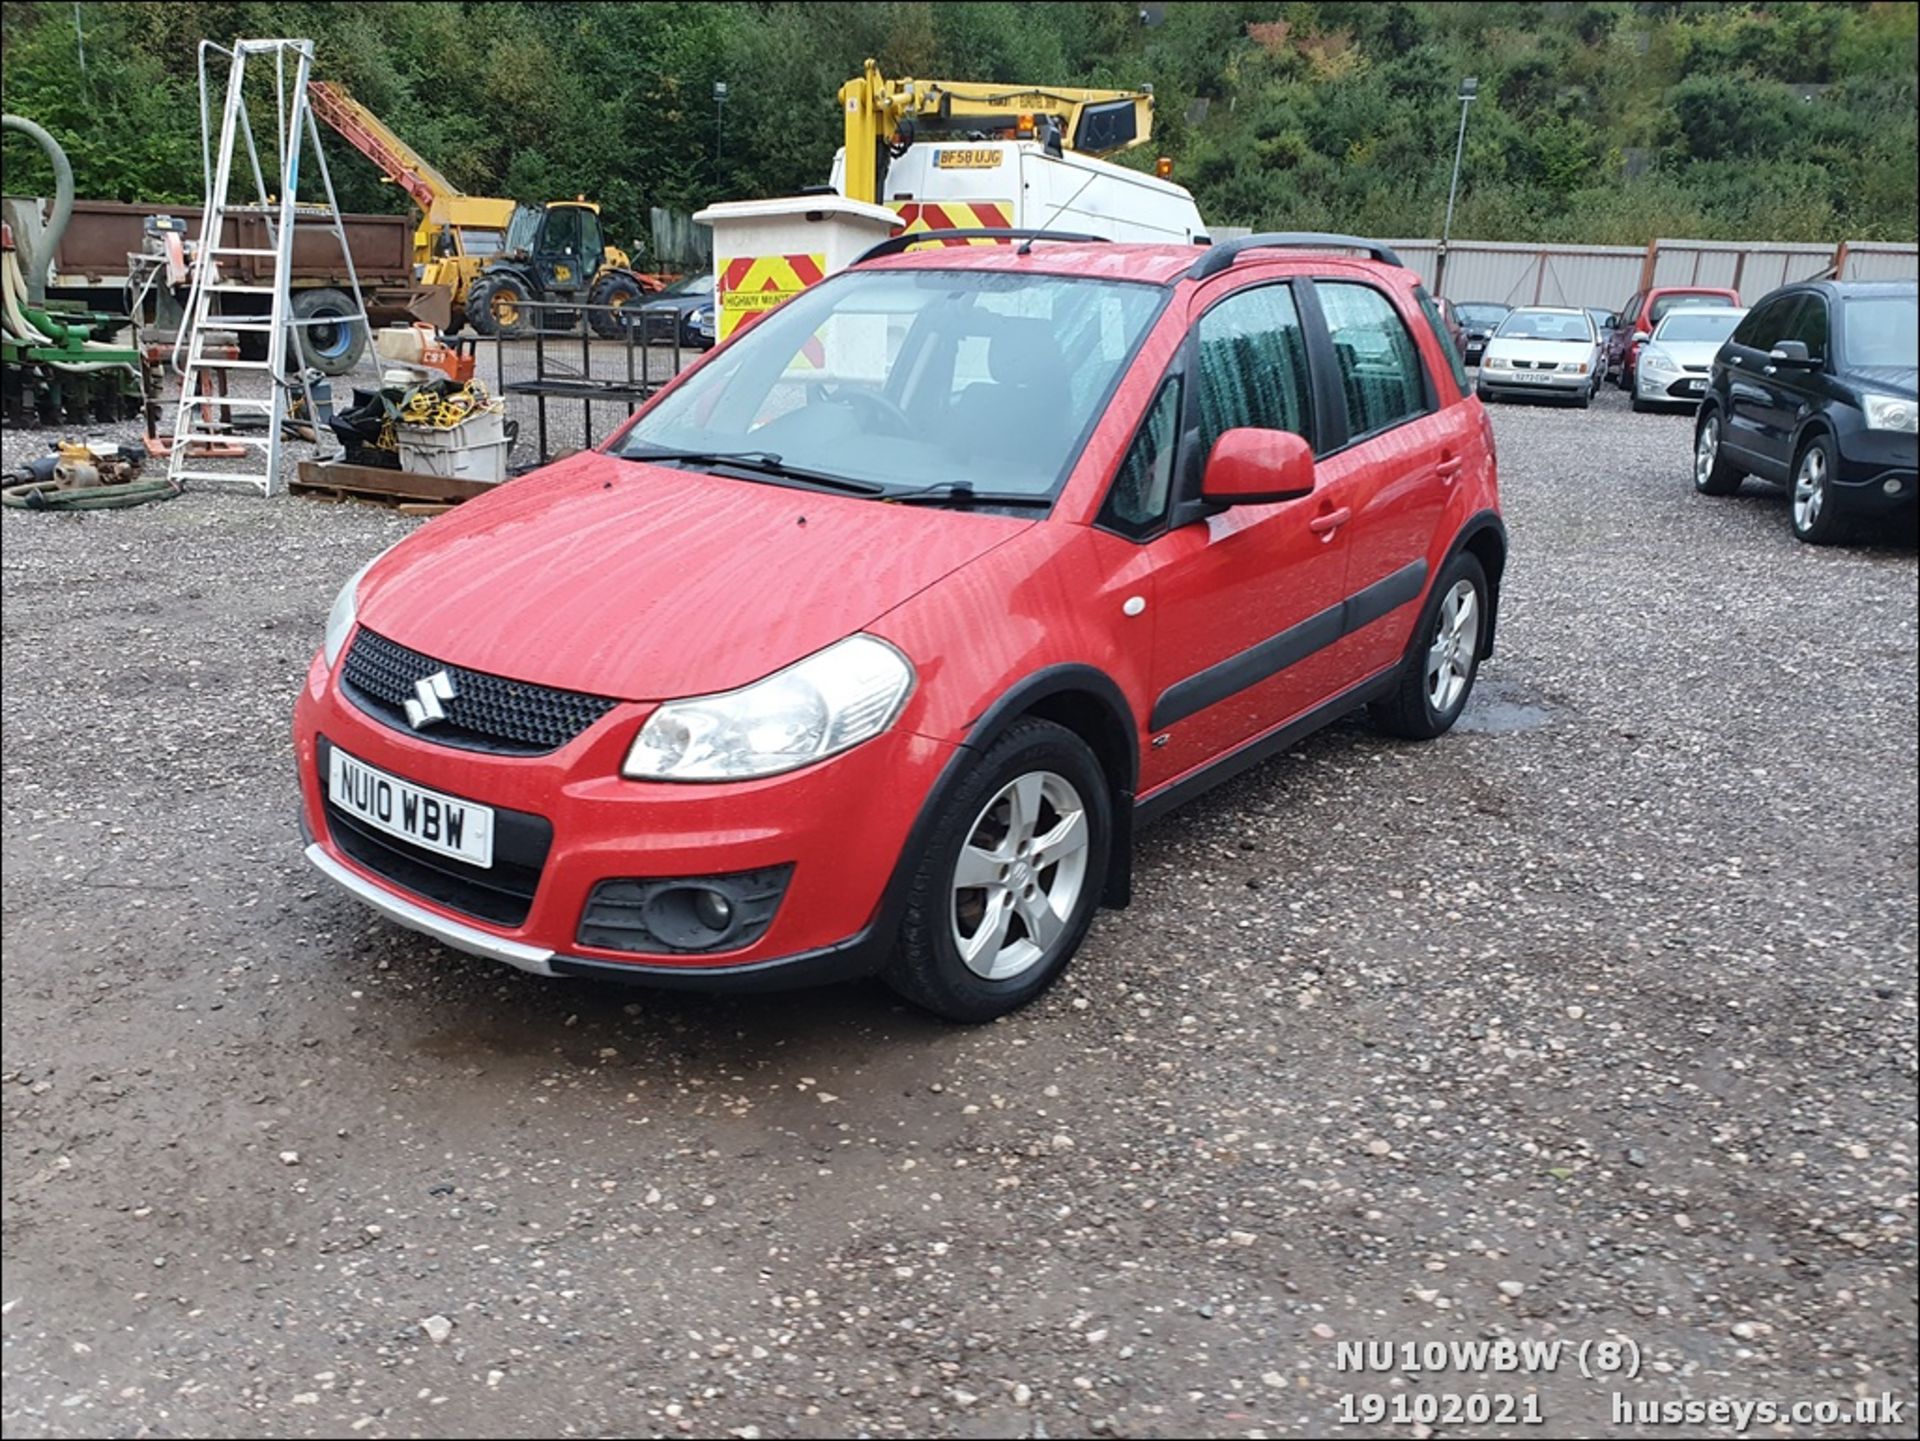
[961,492]
[764,462]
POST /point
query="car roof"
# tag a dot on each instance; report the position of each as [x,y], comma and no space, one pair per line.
[1705,310]
[1155,264]
[1548,310]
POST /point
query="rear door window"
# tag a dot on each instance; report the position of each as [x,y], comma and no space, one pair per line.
[1379,365]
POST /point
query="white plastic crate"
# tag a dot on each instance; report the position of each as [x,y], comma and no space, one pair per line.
[475,449]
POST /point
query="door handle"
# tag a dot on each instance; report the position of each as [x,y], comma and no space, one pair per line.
[1325,525]
[1448,469]
[1767,371]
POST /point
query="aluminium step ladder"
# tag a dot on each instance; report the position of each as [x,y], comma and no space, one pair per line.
[208,415]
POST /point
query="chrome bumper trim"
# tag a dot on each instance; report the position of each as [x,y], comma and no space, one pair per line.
[417,918]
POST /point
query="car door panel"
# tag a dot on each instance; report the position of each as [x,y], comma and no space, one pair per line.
[1398,472]
[1760,403]
[1249,598]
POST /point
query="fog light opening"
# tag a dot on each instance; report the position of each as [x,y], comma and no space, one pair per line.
[1893,486]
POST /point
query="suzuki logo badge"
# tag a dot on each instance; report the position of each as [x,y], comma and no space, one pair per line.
[425,708]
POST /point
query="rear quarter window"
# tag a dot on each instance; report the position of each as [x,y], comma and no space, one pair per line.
[1438,325]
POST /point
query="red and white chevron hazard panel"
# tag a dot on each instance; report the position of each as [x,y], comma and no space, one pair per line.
[921,215]
[751,283]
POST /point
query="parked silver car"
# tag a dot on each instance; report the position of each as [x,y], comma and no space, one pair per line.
[1543,350]
[1677,358]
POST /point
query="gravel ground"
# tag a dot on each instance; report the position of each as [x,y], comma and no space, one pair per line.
[1595,1020]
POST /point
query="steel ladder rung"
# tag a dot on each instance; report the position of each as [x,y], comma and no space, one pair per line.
[220,437]
[248,477]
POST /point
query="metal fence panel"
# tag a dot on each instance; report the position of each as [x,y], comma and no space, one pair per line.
[1605,275]
[1869,260]
[1751,268]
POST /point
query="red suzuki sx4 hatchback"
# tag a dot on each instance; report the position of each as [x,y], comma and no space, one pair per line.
[866,644]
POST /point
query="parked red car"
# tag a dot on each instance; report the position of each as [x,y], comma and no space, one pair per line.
[1633,325]
[866,644]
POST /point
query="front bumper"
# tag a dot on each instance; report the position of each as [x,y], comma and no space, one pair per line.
[843,825]
[1669,387]
[1541,382]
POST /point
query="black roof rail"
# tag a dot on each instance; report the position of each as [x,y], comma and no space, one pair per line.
[1226,252]
[894,244]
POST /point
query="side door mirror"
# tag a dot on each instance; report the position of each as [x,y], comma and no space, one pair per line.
[1250,466]
[1641,337]
[1792,354]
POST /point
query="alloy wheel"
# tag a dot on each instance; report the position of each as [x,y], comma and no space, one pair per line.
[1020,875]
[1455,644]
[1705,451]
[1810,489]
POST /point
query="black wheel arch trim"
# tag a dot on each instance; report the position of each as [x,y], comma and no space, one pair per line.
[1478,524]
[1020,699]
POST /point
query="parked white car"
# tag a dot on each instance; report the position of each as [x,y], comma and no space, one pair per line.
[1676,363]
[1543,350]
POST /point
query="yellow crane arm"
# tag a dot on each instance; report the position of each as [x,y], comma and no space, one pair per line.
[375,139]
[1094,122]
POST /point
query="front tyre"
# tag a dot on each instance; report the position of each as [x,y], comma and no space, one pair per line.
[1010,878]
[1712,473]
[500,304]
[1815,519]
[1437,676]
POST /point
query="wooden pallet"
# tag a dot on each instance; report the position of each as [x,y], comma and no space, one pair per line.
[407,490]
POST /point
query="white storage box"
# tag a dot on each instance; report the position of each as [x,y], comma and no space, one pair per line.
[475,449]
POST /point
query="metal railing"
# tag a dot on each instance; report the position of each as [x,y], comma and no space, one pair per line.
[561,359]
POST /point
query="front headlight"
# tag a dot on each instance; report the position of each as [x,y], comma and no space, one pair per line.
[1494,362]
[817,707]
[702,315]
[1890,412]
[1573,367]
[346,607]
[1651,359]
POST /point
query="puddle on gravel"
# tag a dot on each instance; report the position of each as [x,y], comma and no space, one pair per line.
[1498,709]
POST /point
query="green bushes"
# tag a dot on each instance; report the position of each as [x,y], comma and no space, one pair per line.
[1318,114]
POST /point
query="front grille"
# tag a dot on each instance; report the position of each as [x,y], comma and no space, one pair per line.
[501,893]
[486,713]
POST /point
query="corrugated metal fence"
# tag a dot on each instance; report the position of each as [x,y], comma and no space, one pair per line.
[1606,275]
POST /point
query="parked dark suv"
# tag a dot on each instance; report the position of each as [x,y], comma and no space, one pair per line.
[1816,388]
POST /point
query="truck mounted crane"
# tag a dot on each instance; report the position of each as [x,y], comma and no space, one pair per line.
[884,117]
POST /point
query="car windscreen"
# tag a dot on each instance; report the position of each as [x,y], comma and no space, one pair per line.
[916,378]
[1480,314]
[1685,325]
[1546,325]
[1680,302]
[1882,330]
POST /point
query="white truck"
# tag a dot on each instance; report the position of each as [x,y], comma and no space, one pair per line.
[1020,184]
